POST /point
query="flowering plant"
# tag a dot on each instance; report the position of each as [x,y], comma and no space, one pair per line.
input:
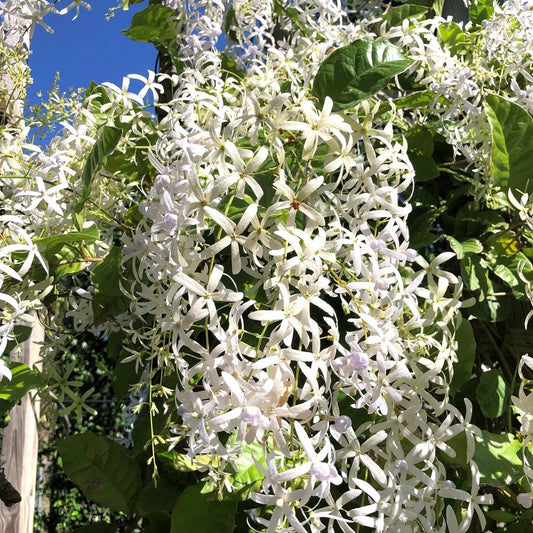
[302,264]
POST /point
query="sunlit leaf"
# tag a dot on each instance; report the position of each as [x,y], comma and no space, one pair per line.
[497,457]
[512,131]
[357,71]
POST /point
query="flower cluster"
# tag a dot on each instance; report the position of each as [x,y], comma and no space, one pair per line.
[273,271]
[269,268]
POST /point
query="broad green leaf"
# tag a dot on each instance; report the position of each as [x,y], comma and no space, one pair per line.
[475,272]
[480,10]
[108,299]
[466,354]
[424,166]
[492,308]
[248,476]
[357,71]
[395,16]
[492,393]
[202,513]
[22,381]
[103,146]
[102,469]
[511,131]
[420,141]
[51,245]
[106,276]
[461,249]
[501,516]
[21,334]
[416,100]
[506,267]
[453,37]
[144,428]
[497,458]
[419,226]
[64,253]
[154,24]
[158,497]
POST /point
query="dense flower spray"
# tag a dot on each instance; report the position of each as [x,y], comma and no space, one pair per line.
[269,266]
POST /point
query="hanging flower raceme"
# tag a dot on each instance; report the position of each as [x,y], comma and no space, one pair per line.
[275,252]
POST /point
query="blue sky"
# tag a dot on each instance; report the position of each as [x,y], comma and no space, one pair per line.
[86,49]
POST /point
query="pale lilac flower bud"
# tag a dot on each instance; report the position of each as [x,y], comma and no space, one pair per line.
[324,471]
[337,364]
[358,360]
[466,73]
[343,423]
[401,465]
[377,245]
[170,221]
[251,415]
[410,255]
[181,410]
[161,182]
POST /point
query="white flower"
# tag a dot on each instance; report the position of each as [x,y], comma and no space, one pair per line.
[5,372]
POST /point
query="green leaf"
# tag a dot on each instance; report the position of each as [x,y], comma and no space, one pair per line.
[466,355]
[106,275]
[420,149]
[475,272]
[492,308]
[492,393]
[202,513]
[160,497]
[395,16]
[21,333]
[357,71]
[104,145]
[453,37]
[22,381]
[108,300]
[419,226]
[461,249]
[480,10]
[501,516]
[511,131]
[248,476]
[497,458]
[102,469]
[63,252]
[154,24]
[49,246]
